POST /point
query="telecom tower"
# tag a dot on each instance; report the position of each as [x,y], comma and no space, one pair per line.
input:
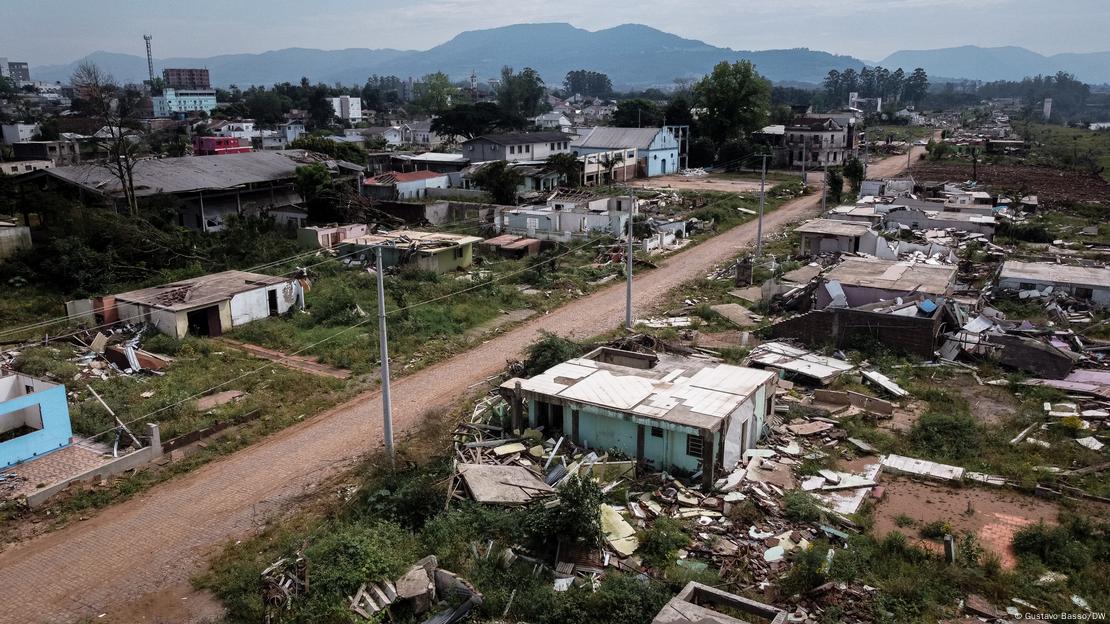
[149,58]
[474,85]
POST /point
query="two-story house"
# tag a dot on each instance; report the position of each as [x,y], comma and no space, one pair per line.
[816,142]
[516,146]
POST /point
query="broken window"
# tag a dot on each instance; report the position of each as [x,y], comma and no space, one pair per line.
[1084,293]
[693,445]
[657,432]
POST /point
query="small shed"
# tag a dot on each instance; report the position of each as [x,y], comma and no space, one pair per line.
[210,305]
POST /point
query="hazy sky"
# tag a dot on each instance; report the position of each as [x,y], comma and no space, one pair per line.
[56,31]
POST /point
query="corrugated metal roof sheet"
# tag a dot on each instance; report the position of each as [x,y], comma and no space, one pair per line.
[605,137]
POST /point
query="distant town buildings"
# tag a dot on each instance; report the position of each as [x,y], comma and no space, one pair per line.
[187,79]
[347,108]
[175,102]
[18,71]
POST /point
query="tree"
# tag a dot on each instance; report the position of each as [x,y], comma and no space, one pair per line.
[677,112]
[567,166]
[520,96]
[499,180]
[637,113]
[853,172]
[320,111]
[335,149]
[265,106]
[436,92]
[118,110]
[917,86]
[834,184]
[587,83]
[735,99]
[468,120]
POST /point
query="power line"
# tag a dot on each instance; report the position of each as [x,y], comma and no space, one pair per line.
[136,317]
[341,332]
[59,319]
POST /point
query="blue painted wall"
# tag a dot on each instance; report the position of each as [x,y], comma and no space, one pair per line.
[602,429]
[55,433]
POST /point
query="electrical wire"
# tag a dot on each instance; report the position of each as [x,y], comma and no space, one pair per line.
[339,333]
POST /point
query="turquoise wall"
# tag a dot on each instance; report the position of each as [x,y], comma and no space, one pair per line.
[55,432]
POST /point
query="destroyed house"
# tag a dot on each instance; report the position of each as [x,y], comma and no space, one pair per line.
[210,305]
[912,324]
[860,281]
[34,418]
[569,214]
[1082,282]
[440,252]
[831,236]
[668,412]
[705,604]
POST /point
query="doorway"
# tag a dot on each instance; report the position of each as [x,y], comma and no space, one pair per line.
[271,295]
[205,322]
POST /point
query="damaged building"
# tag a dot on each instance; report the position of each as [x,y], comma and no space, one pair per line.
[861,281]
[1087,283]
[210,305]
[670,413]
[34,418]
[569,214]
[440,252]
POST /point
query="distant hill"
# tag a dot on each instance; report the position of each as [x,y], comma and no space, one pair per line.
[1005,63]
[632,55]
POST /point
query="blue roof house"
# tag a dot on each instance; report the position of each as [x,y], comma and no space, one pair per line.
[34,418]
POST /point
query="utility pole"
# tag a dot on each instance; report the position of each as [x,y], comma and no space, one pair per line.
[149,59]
[824,184]
[805,152]
[383,343]
[628,268]
[762,195]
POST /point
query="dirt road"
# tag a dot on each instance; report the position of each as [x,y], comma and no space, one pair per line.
[117,560]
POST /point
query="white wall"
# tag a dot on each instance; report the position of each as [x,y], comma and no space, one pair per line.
[255,304]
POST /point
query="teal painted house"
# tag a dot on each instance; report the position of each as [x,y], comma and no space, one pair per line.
[670,413]
[34,418]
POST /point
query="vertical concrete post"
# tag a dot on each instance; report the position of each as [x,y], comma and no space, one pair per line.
[155,439]
[517,408]
[708,461]
[950,548]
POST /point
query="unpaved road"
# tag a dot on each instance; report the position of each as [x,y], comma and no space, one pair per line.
[116,561]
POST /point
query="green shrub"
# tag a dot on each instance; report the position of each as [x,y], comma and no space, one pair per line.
[548,351]
[801,507]
[936,529]
[45,362]
[946,435]
[352,554]
[662,540]
[808,569]
[577,517]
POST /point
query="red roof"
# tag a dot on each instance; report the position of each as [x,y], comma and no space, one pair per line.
[396,176]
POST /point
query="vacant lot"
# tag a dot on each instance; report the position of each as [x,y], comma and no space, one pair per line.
[1052,185]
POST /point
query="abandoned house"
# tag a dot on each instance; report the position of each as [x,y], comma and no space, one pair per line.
[568,215]
[671,413]
[860,281]
[1082,282]
[210,305]
[406,185]
[831,236]
[34,418]
[328,236]
[440,252]
[209,189]
[516,146]
[914,324]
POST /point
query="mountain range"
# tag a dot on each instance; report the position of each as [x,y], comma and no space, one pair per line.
[634,56]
